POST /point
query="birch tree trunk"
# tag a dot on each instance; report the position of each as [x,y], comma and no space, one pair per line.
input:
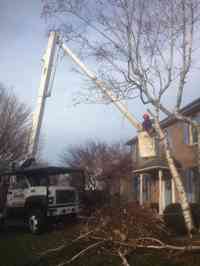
[177,180]
[140,48]
[198,148]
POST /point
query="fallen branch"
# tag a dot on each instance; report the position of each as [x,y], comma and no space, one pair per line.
[171,247]
[150,239]
[130,228]
[81,253]
[123,258]
[61,247]
[132,244]
[161,246]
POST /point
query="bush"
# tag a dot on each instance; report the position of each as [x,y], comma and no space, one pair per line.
[121,221]
[174,219]
[91,200]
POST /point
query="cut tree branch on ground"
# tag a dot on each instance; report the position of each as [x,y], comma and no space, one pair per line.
[133,244]
[137,244]
[126,229]
[123,258]
[81,253]
[61,247]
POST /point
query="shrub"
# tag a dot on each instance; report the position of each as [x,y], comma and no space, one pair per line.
[174,219]
[91,200]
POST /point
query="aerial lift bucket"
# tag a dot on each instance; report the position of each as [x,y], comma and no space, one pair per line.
[146,144]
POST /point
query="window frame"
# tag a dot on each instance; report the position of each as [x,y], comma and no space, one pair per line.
[189,131]
[134,152]
[189,181]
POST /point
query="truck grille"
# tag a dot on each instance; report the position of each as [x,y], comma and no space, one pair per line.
[65,196]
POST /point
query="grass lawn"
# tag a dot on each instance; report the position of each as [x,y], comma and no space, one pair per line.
[19,248]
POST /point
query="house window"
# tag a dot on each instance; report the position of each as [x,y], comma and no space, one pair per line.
[136,187]
[168,191]
[135,152]
[186,133]
[196,184]
[147,188]
[194,130]
[190,184]
[190,132]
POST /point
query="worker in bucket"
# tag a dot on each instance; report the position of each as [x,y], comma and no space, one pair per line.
[147,123]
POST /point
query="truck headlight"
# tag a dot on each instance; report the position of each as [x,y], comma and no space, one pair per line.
[50,200]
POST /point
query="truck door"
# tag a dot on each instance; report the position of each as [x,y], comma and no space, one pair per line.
[16,197]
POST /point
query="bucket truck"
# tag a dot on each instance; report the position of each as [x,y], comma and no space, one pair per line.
[29,194]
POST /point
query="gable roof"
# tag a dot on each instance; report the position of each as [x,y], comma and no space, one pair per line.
[187,110]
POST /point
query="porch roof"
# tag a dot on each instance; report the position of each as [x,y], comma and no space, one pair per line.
[154,164]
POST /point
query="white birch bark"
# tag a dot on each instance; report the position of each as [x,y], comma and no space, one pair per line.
[198,148]
[177,180]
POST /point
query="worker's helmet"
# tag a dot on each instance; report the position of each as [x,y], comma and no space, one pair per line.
[146,115]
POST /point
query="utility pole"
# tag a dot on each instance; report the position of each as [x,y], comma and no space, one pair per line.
[42,94]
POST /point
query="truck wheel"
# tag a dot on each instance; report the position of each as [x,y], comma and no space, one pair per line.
[36,221]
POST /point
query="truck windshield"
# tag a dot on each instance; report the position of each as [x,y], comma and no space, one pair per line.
[36,181]
[48,180]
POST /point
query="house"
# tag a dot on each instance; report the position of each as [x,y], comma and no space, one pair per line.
[152,182]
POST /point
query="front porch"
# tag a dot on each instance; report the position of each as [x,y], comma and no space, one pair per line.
[154,186]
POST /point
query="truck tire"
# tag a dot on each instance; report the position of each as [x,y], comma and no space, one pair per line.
[36,221]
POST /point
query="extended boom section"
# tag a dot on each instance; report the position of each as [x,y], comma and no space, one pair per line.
[42,94]
[101,85]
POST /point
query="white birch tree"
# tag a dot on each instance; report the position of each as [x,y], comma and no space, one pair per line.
[141,48]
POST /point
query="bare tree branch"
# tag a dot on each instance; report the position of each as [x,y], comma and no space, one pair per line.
[15,127]
[81,253]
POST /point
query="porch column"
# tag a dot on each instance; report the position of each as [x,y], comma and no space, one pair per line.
[141,189]
[160,191]
[163,193]
[173,191]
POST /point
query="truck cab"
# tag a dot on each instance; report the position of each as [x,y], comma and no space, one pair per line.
[38,195]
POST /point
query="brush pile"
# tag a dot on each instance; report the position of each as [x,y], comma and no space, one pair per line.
[120,230]
[125,222]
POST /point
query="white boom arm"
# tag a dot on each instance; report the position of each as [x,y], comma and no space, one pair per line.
[42,94]
[100,84]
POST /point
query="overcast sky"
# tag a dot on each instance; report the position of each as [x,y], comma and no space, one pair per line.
[23,41]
